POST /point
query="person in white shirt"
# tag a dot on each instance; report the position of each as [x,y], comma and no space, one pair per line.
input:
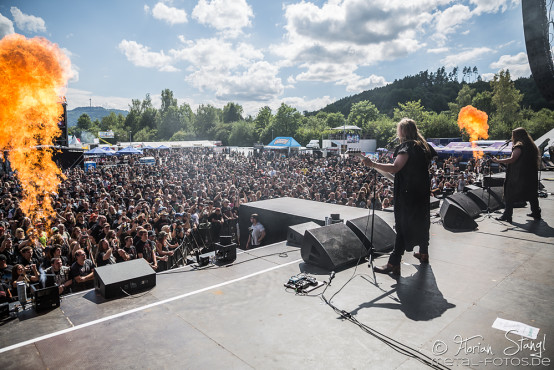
[257,232]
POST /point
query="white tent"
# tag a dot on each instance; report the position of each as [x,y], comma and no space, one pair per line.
[542,139]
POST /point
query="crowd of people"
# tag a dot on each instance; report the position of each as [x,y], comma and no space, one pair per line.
[119,212]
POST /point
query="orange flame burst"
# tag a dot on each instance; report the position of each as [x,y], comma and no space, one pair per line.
[32,74]
[474,122]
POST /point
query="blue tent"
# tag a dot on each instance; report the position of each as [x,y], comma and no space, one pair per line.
[128,150]
[98,152]
[283,143]
[162,147]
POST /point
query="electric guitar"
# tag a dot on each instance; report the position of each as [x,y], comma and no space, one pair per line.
[358,153]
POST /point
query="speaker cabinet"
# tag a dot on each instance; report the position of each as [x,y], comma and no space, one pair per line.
[484,199]
[332,247]
[383,235]
[125,277]
[295,234]
[467,203]
[455,217]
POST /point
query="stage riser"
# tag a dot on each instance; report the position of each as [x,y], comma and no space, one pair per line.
[276,215]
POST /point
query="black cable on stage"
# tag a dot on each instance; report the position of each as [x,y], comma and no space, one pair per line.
[392,343]
[209,266]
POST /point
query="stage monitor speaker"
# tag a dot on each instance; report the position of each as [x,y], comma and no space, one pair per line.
[125,277]
[484,199]
[225,253]
[455,217]
[498,193]
[45,298]
[295,235]
[467,203]
[332,247]
[383,235]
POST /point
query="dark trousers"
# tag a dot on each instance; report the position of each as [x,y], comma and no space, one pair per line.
[400,248]
[534,203]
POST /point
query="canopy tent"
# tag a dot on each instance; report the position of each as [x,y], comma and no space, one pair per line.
[548,136]
[98,152]
[147,147]
[347,127]
[283,143]
[162,147]
[499,149]
[128,150]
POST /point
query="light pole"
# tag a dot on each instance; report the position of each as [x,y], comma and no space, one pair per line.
[130,137]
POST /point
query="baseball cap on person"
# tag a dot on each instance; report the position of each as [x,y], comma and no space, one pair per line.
[3,257]
[151,233]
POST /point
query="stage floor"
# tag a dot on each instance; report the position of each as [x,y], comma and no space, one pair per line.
[241,316]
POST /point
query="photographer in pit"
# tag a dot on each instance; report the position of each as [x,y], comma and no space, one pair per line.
[256,232]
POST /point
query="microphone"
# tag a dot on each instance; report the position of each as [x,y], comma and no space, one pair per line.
[507,141]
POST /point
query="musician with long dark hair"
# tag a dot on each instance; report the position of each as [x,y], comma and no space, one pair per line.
[522,180]
[412,189]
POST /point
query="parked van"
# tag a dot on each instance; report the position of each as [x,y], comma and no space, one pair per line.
[148,160]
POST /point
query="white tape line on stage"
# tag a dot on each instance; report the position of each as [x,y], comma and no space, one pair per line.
[124,313]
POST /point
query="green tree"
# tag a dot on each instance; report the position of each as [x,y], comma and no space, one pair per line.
[411,109]
[222,132]
[506,101]
[207,117]
[263,119]
[362,113]
[168,101]
[183,136]
[464,98]
[132,121]
[335,119]
[232,112]
[171,121]
[483,101]
[439,125]
[242,134]
[287,120]
[146,134]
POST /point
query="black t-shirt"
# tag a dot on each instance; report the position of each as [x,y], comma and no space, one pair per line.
[78,270]
[146,249]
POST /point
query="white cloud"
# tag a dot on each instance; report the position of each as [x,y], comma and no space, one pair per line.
[493,6]
[141,56]
[450,20]
[168,14]
[304,104]
[6,26]
[323,39]
[517,64]
[468,56]
[227,16]
[356,84]
[27,22]
[72,70]
[438,50]
[232,70]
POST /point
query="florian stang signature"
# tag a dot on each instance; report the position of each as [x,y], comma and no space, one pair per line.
[520,351]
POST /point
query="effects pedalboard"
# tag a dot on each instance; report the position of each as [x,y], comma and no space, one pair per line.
[303,284]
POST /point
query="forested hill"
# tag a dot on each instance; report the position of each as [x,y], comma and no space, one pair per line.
[95,113]
[435,90]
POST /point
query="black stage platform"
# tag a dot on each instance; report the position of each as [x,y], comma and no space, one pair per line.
[276,215]
[241,316]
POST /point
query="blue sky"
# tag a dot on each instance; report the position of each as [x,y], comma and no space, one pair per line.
[264,52]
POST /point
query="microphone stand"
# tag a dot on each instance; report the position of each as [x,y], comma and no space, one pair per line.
[488,187]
